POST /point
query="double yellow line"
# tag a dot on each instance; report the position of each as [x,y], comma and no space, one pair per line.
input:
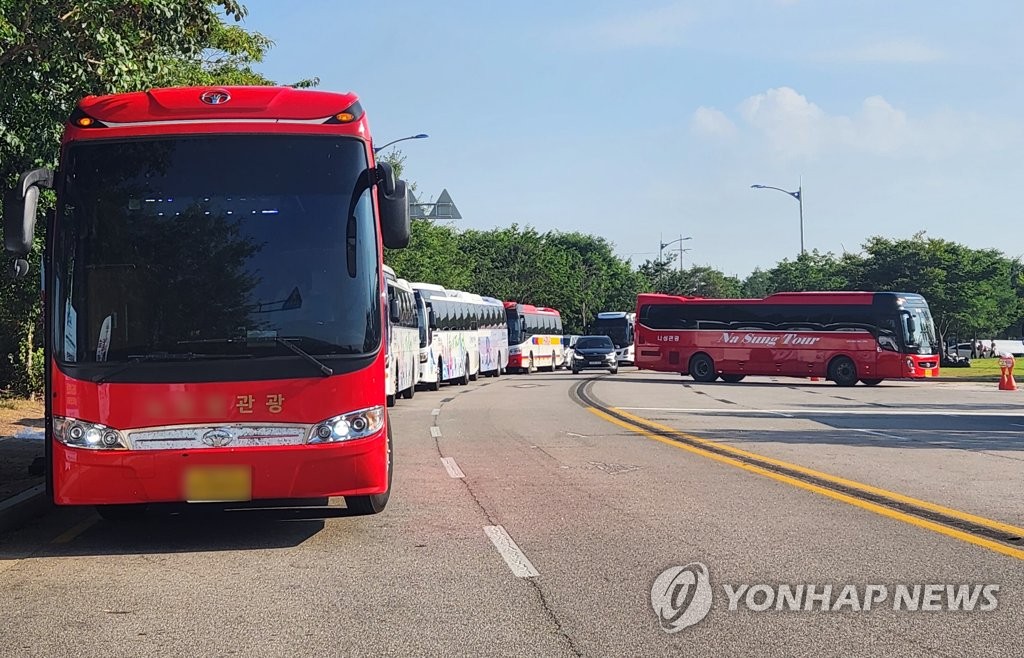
[923,514]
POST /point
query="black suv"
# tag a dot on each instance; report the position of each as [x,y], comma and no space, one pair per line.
[594,352]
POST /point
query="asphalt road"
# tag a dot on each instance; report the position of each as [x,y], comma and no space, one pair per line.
[764,482]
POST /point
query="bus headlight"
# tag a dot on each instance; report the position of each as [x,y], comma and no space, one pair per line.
[348,427]
[81,434]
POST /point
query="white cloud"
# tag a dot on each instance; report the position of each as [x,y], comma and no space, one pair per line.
[894,51]
[793,127]
[709,122]
[662,26]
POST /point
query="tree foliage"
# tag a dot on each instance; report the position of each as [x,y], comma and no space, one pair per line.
[54,52]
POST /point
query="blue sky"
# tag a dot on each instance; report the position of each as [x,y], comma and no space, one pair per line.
[633,120]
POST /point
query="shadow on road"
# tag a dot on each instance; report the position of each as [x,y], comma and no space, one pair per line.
[192,529]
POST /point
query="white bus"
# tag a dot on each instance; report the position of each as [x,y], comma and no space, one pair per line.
[492,337]
[453,353]
[534,337]
[403,340]
[620,326]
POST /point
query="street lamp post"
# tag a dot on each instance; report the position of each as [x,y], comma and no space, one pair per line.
[663,244]
[378,149]
[799,196]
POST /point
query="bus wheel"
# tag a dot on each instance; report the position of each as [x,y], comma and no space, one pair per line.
[497,368]
[122,513]
[871,382]
[475,376]
[732,379]
[702,368]
[553,362]
[411,391]
[390,400]
[436,384]
[363,505]
[530,367]
[843,371]
[464,380]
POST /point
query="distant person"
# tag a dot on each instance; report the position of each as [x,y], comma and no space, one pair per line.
[979,349]
[992,353]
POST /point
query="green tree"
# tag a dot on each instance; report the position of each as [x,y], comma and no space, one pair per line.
[54,52]
[433,256]
[971,292]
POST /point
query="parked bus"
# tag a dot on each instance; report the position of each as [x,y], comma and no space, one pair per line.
[493,337]
[403,360]
[534,338]
[214,327]
[453,354]
[845,337]
[621,328]
[427,371]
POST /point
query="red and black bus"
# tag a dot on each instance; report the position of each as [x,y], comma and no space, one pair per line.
[845,337]
[214,299]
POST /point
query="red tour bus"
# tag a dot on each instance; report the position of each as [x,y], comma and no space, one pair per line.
[214,299]
[534,337]
[842,336]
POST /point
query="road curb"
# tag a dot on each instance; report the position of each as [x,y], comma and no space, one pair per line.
[16,510]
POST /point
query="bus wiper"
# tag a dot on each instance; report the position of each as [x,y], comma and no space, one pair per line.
[285,342]
[132,359]
[305,355]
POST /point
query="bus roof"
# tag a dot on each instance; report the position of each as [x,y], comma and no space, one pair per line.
[176,104]
[615,315]
[530,308]
[811,298]
[402,284]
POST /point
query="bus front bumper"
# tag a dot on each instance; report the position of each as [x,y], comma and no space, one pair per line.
[97,477]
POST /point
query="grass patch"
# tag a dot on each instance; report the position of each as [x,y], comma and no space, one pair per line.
[979,368]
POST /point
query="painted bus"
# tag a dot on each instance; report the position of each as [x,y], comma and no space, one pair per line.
[402,372]
[620,326]
[492,336]
[453,355]
[844,337]
[214,329]
[534,338]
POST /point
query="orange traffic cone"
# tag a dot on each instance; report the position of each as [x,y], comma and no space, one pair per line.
[1006,382]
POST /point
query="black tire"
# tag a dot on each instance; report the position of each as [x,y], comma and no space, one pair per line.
[613,371]
[843,371]
[464,380]
[122,513]
[436,384]
[575,371]
[497,367]
[871,382]
[364,505]
[409,392]
[531,367]
[732,379]
[390,400]
[552,368]
[702,368]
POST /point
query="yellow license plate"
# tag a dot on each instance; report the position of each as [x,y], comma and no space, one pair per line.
[218,484]
[929,373]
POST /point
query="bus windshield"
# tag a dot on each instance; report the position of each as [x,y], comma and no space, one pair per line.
[919,331]
[617,329]
[188,246]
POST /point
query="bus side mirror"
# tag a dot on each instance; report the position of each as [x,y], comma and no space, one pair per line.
[432,319]
[394,311]
[911,326]
[393,203]
[20,206]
